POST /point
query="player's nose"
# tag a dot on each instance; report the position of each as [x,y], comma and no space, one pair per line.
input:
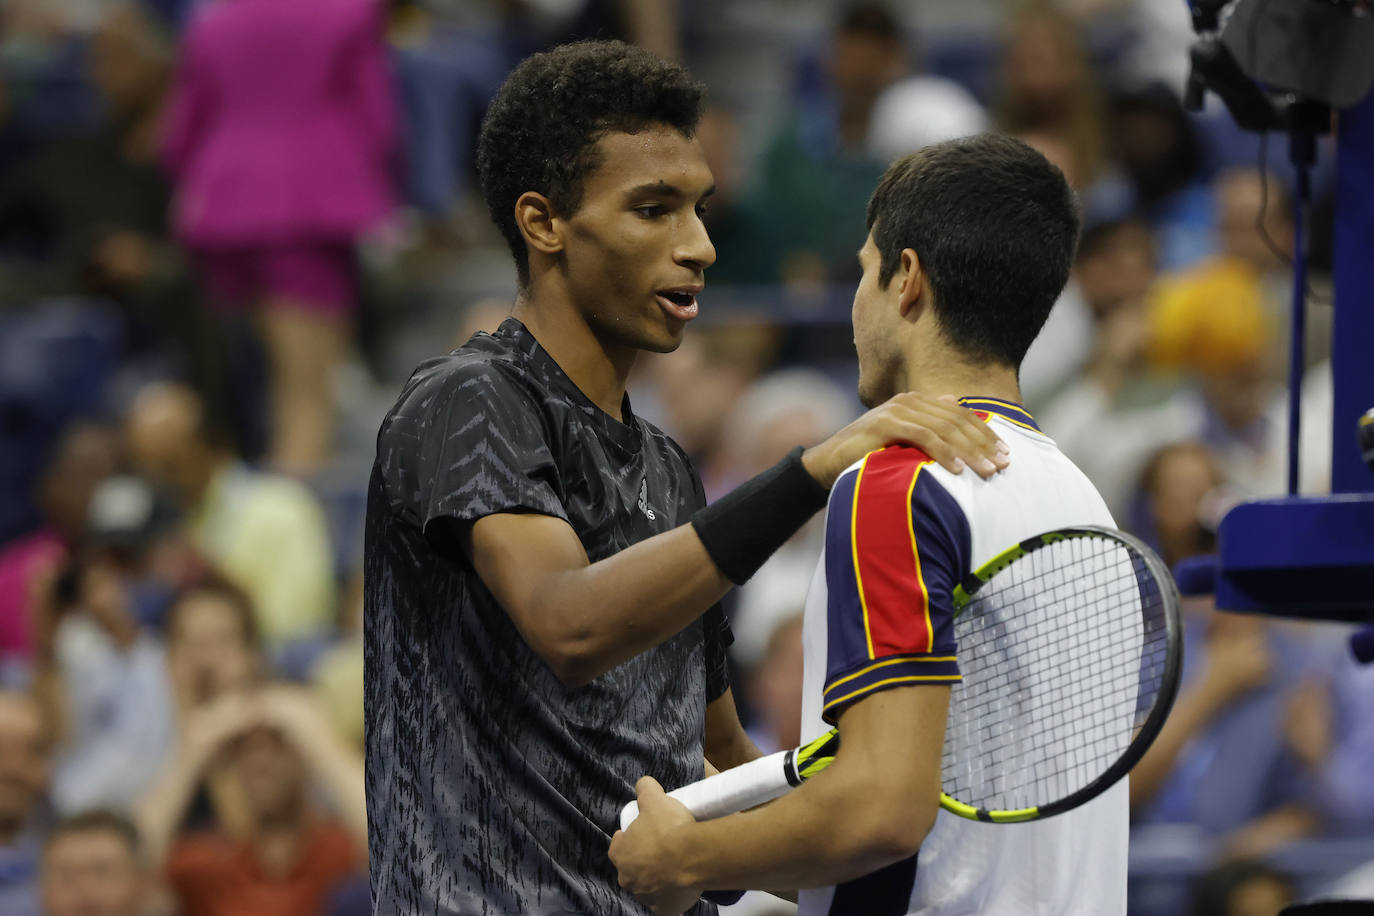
[694,248]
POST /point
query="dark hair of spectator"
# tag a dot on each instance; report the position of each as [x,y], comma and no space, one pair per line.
[541,130]
[994,225]
[1180,161]
[869,20]
[215,426]
[96,820]
[216,585]
[1213,891]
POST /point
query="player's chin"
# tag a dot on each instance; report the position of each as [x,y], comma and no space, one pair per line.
[869,396]
[664,337]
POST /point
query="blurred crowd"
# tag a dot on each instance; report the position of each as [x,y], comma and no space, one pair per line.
[229,229]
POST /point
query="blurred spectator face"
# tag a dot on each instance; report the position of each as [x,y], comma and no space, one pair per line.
[1239,394]
[775,687]
[1119,269]
[780,411]
[1239,194]
[866,55]
[1178,482]
[91,873]
[23,760]
[209,649]
[785,433]
[86,456]
[700,383]
[1044,64]
[272,774]
[164,438]
[862,65]
[128,60]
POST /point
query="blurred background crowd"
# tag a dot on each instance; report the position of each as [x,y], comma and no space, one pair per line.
[230,228]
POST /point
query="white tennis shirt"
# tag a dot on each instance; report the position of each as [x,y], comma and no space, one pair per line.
[900,533]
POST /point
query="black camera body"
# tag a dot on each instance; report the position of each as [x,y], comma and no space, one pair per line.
[1282,64]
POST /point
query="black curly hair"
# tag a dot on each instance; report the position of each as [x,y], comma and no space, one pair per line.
[540,131]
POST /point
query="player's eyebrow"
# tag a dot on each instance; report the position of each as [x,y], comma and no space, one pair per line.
[665,189]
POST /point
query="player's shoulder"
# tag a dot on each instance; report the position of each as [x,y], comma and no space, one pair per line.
[485,370]
[897,473]
[888,467]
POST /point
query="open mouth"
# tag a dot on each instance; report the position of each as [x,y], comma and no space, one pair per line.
[679,303]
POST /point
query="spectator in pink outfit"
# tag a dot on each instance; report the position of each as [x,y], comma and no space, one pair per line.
[281,135]
[84,456]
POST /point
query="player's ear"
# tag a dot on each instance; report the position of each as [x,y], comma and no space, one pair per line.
[535,217]
[911,280]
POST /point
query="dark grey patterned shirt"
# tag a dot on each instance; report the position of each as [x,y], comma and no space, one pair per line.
[491,787]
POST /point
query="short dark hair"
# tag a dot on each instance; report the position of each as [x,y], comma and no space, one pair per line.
[994,225]
[868,20]
[97,820]
[540,131]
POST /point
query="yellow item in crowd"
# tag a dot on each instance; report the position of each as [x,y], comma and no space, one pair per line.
[1209,319]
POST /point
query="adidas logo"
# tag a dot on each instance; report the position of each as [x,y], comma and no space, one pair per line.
[644,500]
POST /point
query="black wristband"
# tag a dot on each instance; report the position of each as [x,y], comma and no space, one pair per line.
[742,529]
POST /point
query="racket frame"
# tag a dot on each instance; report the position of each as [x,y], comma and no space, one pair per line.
[1168,691]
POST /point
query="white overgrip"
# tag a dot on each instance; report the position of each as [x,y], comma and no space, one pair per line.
[736,789]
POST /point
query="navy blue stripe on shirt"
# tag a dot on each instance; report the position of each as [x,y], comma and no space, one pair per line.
[1007,410]
[885,892]
[893,671]
[846,638]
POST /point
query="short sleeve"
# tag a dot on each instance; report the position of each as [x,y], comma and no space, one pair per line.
[464,443]
[896,545]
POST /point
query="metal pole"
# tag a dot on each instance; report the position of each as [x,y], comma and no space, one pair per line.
[1302,150]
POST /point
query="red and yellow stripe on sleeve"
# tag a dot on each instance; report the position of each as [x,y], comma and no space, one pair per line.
[886,557]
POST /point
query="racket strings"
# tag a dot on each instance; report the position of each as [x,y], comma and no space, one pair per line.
[1063,656]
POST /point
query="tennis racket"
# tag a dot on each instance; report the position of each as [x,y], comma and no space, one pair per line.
[1070,647]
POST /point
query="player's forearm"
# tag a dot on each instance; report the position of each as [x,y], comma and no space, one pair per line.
[585,618]
[606,613]
[839,826]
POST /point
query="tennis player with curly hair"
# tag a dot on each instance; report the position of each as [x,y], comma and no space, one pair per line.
[542,571]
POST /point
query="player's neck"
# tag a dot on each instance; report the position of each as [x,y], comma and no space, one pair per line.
[953,376]
[600,372]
